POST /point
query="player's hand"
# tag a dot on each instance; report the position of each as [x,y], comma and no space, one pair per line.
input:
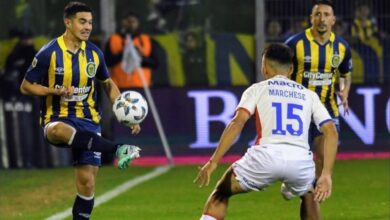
[323,188]
[135,129]
[65,92]
[344,101]
[204,174]
[69,92]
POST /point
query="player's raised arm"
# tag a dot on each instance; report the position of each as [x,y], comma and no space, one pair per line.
[229,135]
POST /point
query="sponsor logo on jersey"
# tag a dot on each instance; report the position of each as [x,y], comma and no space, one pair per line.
[285,83]
[79,93]
[318,78]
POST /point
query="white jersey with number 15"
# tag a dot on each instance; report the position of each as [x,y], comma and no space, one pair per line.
[284,110]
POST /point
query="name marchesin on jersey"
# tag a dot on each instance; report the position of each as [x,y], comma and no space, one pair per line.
[286,92]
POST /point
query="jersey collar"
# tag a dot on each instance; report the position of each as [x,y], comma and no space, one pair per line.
[310,36]
[280,76]
[61,42]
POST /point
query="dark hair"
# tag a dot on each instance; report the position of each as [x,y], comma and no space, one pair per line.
[278,52]
[324,2]
[74,7]
[130,14]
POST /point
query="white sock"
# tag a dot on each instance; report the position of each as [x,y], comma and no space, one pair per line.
[207,217]
[86,197]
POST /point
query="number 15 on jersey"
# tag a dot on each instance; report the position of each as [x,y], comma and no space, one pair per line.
[291,122]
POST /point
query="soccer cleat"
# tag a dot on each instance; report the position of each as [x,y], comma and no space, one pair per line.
[287,194]
[125,154]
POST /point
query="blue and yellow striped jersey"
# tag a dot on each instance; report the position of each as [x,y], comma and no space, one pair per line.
[316,66]
[55,67]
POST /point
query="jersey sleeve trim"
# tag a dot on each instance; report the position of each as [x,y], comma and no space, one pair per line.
[325,121]
[343,75]
[244,109]
[104,80]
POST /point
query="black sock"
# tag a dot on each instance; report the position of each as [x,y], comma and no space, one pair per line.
[85,140]
[82,208]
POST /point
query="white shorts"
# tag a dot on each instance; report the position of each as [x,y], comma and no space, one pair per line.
[263,165]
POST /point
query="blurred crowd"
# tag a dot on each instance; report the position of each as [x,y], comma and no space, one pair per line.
[190,25]
[181,43]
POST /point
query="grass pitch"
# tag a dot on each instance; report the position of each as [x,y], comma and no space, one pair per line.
[360,192]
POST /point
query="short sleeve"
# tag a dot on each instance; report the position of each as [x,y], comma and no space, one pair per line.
[102,70]
[38,67]
[290,42]
[345,67]
[248,100]
[320,114]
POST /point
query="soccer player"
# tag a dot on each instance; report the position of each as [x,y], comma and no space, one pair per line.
[319,58]
[283,110]
[64,73]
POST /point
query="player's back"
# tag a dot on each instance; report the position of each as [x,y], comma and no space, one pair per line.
[284,110]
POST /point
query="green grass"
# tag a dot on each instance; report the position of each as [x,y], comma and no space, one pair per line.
[360,192]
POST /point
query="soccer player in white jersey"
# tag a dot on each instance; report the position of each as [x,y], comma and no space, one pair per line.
[284,110]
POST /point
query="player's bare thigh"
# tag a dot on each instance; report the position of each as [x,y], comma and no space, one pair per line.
[59,132]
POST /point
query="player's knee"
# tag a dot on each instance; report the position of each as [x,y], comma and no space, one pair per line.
[54,131]
[86,186]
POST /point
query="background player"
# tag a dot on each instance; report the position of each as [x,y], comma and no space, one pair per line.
[63,73]
[284,110]
[320,56]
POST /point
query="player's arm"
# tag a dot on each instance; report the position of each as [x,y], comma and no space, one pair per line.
[113,92]
[28,88]
[345,86]
[345,81]
[111,89]
[38,70]
[323,188]
[229,135]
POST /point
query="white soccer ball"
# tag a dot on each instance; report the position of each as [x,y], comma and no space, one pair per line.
[130,108]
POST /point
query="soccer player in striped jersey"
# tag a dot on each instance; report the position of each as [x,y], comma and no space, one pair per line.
[284,110]
[64,73]
[320,58]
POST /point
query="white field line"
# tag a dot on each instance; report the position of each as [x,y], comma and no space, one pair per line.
[116,191]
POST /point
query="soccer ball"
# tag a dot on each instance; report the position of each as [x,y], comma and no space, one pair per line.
[130,108]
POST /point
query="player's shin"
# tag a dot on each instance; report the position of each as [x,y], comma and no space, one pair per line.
[82,207]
